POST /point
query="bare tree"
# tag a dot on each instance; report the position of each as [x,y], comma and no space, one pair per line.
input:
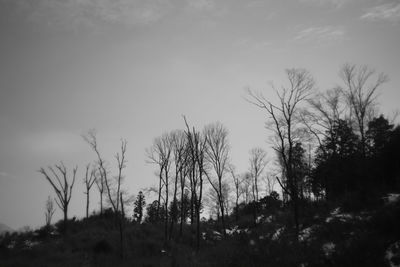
[360,93]
[178,139]
[217,152]
[121,160]
[258,162]
[113,196]
[257,165]
[99,179]
[61,186]
[246,186]
[327,109]
[91,139]
[88,181]
[237,183]
[197,148]
[182,181]
[49,210]
[160,154]
[270,182]
[283,122]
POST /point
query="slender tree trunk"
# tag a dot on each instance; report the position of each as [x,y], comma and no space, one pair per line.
[65,218]
[166,206]
[237,210]
[363,142]
[256,186]
[87,204]
[222,208]
[182,207]
[199,207]
[101,203]
[221,205]
[174,206]
[159,195]
[121,217]
[198,227]
[191,200]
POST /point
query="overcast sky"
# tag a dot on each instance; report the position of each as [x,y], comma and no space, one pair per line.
[132,68]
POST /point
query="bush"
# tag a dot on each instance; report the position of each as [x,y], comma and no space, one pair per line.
[102,246]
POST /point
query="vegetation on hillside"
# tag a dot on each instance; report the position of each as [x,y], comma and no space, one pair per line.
[336,164]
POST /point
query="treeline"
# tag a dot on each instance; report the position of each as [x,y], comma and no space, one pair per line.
[329,146]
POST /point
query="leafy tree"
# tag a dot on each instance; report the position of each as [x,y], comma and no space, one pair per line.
[271,202]
[391,160]
[334,173]
[300,167]
[154,212]
[139,205]
[378,135]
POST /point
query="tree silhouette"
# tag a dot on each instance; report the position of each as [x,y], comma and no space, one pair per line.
[61,186]
[217,152]
[335,171]
[360,92]
[197,147]
[49,211]
[89,180]
[283,122]
[139,205]
[160,153]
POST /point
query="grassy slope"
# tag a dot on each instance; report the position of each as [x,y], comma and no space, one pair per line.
[359,239]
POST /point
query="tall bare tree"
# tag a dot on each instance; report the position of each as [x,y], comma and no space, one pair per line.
[326,109]
[361,94]
[237,183]
[113,194]
[182,182]
[270,182]
[91,139]
[49,210]
[284,123]
[178,143]
[197,149]
[258,162]
[99,180]
[121,160]
[246,186]
[160,153]
[62,187]
[217,155]
[89,180]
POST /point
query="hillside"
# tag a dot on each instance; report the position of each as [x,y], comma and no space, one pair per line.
[330,236]
[5,228]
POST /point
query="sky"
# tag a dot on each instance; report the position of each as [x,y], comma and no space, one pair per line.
[131,68]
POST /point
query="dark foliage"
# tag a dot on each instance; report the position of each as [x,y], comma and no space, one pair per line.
[139,204]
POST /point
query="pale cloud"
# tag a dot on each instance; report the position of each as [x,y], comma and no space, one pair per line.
[3,174]
[51,142]
[326,34]
[251,44]
[89,14]
[130,12]
[385,12]
[201,4]
[257,3]
[98,15]
[335,3]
